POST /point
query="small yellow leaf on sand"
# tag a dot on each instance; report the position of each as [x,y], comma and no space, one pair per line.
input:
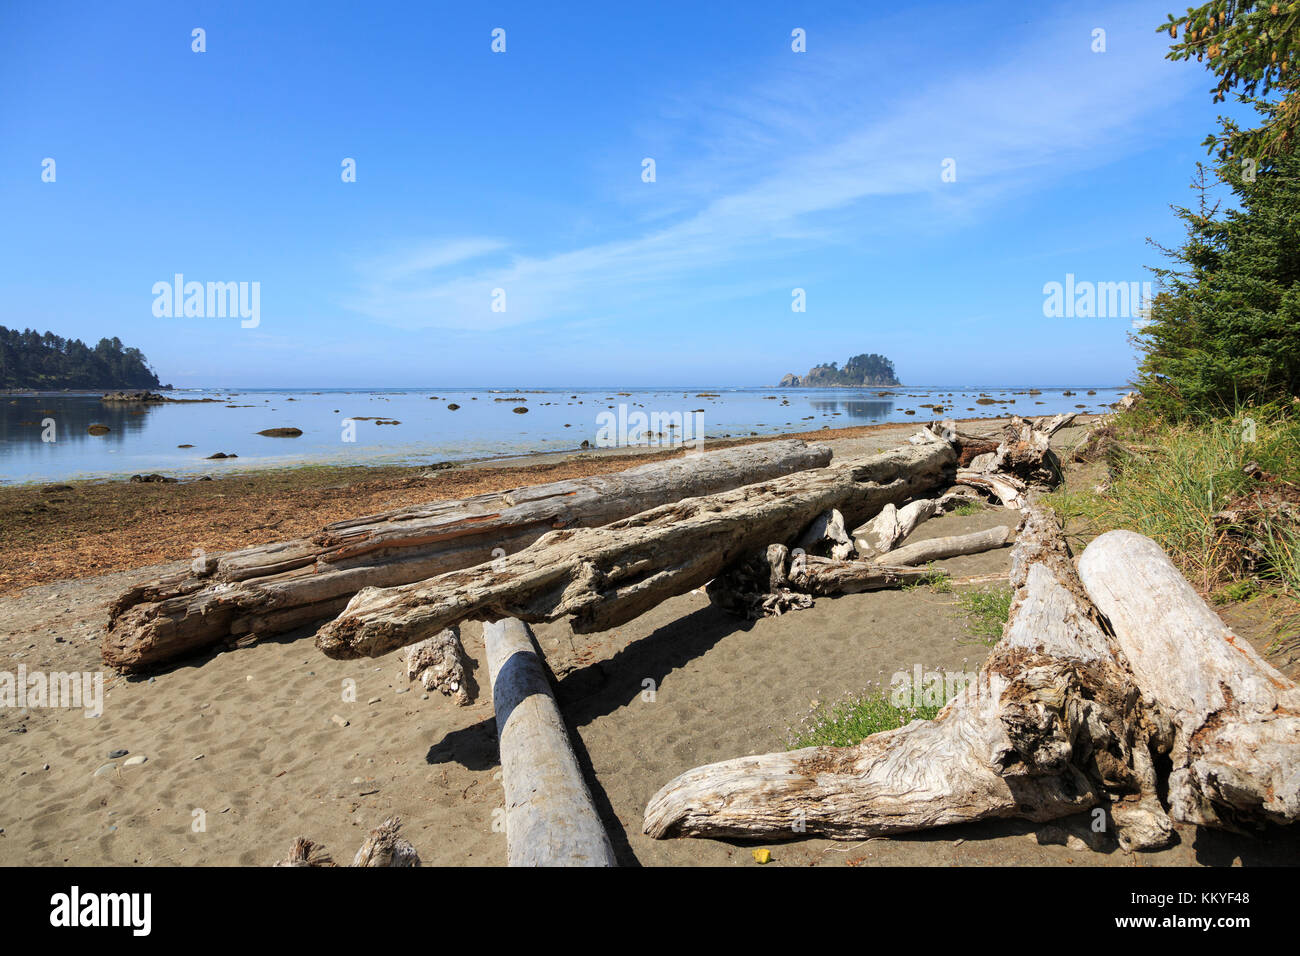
[762,856]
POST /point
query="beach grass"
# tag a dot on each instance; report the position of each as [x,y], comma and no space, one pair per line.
[852,720]
[1170,481]
[987,610]
[936,580]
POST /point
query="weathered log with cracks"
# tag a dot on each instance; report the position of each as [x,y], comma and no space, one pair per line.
[243,596]
[438,663]
[549,814]
[603,577]
[1055,724]
[1236,749]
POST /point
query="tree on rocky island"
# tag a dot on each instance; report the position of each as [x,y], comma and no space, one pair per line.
[867,369]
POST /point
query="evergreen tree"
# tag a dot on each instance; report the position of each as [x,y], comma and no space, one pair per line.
[1226,326]
[1253,48]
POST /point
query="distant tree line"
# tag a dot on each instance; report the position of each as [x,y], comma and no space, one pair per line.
[30,359]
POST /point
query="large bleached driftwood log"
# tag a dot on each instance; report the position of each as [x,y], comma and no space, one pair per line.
[550,817]
[603,577]
[1236,720]
[1056,723]
[255,592]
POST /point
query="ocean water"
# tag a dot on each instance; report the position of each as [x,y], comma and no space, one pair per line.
[44,437]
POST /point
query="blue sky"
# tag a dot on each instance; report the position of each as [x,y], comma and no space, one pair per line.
[522,171]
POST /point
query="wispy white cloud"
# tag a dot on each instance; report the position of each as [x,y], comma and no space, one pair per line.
[798,178]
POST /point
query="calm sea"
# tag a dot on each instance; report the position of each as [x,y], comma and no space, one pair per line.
[342,426]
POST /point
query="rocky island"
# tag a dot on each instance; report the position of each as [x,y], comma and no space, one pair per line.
[866,369]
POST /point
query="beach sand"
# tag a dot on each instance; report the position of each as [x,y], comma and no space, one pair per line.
[244,742]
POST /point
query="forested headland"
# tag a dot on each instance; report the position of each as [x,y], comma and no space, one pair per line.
[35,360]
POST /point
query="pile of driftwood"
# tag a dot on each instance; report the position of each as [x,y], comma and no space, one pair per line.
[827,559]
[1113,686]
[600,550]
[244,596]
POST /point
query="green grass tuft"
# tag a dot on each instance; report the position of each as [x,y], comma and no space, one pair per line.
[855,719]
[986,611]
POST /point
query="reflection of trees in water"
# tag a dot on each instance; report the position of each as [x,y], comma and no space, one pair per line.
[72,416]
[863,409]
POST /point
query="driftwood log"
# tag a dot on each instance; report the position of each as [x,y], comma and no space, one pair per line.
[1236,720]
[244,596]
[936,549]
[603,577]
[549,815]
[1064,717]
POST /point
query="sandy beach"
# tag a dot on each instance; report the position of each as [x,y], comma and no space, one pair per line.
[244,752]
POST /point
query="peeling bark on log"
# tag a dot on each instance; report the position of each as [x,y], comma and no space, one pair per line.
[1054,725]
[1236,750]
[439,663]
[603,577]
[936,549]
[550,817]
[249,594]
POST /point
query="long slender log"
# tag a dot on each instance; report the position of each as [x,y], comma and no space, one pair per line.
[550,818]
[603,577]
[270,589]
[1053,725]
[823,576]
[1236,751]
[936,549]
